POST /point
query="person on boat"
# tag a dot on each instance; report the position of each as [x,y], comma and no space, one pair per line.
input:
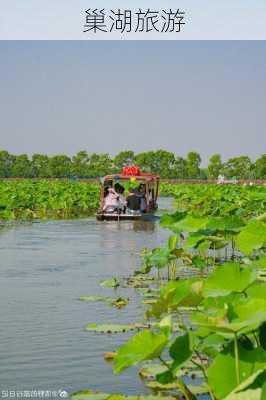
[141,193]
[111,201]
[133,202]
[121,198]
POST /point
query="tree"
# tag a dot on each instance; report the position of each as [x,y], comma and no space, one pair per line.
[180,168]
[164,163]
[204,173]
[80,164]
[260,167]
[99,165]
[60,166]
[145,160]
[160,162]
[40,166]
[124,158]
[193,165]
[6,162]
[215,166]
[239,167]
[21,167]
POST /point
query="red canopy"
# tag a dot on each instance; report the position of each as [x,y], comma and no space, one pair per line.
[134,170]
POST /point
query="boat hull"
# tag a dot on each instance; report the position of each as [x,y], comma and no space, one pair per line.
[122,217]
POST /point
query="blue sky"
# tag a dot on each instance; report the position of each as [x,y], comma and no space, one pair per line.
[61,97]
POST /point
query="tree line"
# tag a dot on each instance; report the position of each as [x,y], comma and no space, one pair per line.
[160,162]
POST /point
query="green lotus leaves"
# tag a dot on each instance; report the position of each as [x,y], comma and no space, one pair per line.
[222,374]
[240,315]
[252,237]
[110,328]
[119,302]
[167,220]
[151,370]
[257,290]
[260,263]
[253,388]
[96,298]
[180,351]
[91,395]
[175,294]
[193,389]
[262,335]
[110,283]
[198,262]
[228,224]
[172,242]
[189,224]
[213,326]
[160,257]
[145,345]
[228,278]
[194,239]
[28,199]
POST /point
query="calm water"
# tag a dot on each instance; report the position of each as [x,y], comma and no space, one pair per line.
[45,267]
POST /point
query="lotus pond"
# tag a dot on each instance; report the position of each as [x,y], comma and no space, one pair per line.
[28,199]
[175,308]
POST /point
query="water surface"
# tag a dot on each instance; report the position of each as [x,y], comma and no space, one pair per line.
[44,268]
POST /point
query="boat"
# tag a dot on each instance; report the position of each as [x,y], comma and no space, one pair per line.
[133,176]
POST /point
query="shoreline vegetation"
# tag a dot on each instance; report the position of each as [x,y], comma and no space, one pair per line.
[160,162]
[28,199]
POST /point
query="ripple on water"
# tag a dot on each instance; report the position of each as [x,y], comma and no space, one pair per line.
[45,267]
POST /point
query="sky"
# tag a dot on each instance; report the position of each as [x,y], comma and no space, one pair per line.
[64,96]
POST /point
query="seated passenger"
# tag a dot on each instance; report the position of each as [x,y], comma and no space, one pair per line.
[111,201]
[133,201]
[141,193]
[121,199]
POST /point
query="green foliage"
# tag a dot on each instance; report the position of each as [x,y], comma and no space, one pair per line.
[123,159]
[239,167]
[233,202]
[193,165]
[180,350]
[260,167]
[221,374]
[215,166]
[145,345]
[252,237]
[228,278]
[161,162]
[96,298]
[214,323]
[110,283]
[91,395]
[27,199]
[109,328]
[252,388]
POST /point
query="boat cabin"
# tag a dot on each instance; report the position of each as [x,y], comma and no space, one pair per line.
[130,195]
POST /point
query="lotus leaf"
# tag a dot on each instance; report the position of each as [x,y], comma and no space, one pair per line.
[252,237]
[222,375]
[230,277]
[145,345]
[110,283]
[109,328]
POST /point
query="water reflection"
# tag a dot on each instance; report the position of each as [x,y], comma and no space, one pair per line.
[45,267]
[145,226]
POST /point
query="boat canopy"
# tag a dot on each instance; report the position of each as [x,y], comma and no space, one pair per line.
[134,176]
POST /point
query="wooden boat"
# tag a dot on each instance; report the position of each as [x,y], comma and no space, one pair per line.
[151,183]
